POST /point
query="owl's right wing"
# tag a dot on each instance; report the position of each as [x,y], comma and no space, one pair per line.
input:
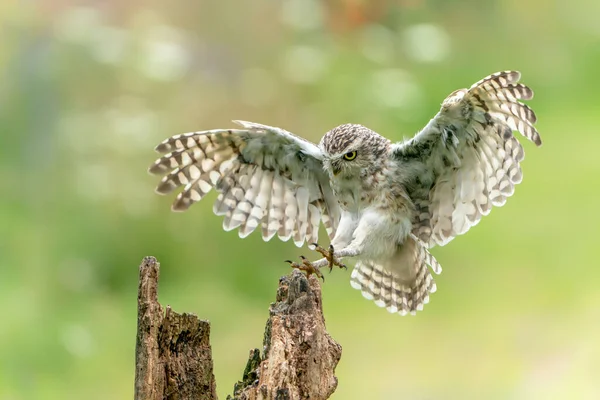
[466,159]
[264,175]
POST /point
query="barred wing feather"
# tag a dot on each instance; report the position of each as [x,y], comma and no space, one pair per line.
[265,177]
[468,158]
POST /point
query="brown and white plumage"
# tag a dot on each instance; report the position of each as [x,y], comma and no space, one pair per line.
[265,177]
[400,290]
[385,204]
[470,157]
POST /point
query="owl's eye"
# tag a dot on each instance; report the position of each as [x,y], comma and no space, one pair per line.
[350,156]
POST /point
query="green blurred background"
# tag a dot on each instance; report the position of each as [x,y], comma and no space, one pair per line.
[88,89]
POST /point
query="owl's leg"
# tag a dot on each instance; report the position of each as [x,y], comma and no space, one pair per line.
[330,259]
[330,256]
[307,267]
[366,236]
[371,238]
[310,267]
[343,237]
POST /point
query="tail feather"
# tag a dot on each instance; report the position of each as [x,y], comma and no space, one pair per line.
[401,284]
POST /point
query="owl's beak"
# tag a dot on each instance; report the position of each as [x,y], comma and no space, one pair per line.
[336,171]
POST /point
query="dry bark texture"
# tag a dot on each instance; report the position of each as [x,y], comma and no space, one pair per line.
[174,360]
[299,357]
[173,357]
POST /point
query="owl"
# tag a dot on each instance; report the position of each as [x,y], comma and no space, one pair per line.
[383,204]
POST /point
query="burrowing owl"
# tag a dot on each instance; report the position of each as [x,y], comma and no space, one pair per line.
[384,203]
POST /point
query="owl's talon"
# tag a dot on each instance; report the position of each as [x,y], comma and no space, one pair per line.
[329,255]
[307,267]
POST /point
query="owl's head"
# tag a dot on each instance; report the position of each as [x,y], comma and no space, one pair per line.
[350,148]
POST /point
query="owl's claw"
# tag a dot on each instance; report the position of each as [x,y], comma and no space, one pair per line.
[307,267]
[329,255]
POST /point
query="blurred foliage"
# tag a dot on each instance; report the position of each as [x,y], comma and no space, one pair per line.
[87,89]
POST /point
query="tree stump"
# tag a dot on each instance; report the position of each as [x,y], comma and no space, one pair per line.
[174,358]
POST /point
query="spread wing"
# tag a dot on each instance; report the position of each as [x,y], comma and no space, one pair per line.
[264,175]
[466,160]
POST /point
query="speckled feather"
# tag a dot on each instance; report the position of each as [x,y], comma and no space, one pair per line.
[265,177]
[385,204]
[399,290]
[467,157]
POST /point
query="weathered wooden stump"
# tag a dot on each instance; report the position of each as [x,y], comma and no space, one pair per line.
[174,358]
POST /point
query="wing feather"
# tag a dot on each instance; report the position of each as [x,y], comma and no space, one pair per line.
[254,211]
[302,197]
[467,158]
[314,215]
[290,211]
[265,177]
[238,207]
[266,198]
[276,213]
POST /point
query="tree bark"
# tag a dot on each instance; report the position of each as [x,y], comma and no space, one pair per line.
[299,357]
[174,359]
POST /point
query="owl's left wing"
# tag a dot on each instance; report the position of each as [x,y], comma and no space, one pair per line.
[265,177]
[466,159]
